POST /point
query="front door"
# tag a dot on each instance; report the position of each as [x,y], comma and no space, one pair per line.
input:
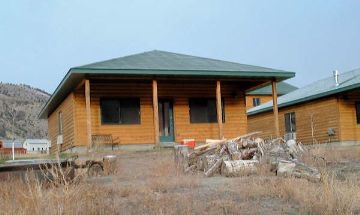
[166,121]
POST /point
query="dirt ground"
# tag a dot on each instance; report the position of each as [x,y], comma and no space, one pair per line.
[250,194]
[217,194]
[148,183]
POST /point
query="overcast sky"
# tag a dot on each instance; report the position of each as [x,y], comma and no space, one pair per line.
[41,39]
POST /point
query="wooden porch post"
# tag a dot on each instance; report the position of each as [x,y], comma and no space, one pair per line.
[219,109]
[88,112]
[156,113]
[275,108]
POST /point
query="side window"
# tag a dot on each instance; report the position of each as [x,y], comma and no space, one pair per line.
[60,123]
[290,122]
[357,109]
[256,102]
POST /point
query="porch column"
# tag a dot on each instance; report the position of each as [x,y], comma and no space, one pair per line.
[275,108]
[156,112]
[88,112]
[219,109]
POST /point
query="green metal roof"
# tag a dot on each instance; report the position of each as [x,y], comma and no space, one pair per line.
[160,64]
[282,89]
[319,89]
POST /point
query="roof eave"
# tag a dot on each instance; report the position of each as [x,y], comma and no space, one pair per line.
[306,99]
[44,111]
[216,73]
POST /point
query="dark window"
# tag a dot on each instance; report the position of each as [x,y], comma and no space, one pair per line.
[204,110]
[256,102]
[290,123]
[60,123]
[120,111]
[357,107]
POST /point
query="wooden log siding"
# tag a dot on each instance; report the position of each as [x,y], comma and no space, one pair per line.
[235,110]
[67,109]
[325,112]
[350,130]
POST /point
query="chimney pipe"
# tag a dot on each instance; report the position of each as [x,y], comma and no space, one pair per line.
[336,77]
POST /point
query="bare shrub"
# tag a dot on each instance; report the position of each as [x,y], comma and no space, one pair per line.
[148,184]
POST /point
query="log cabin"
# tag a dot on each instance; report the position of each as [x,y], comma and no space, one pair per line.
[325,111]
[152,99]
[264,94]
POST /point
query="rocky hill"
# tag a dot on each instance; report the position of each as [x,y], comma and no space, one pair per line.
[20,106]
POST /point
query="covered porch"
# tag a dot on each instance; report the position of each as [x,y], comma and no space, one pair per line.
[162,111]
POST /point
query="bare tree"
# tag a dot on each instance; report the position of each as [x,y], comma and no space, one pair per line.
[312,124]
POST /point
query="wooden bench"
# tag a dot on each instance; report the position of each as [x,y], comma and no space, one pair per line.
[104,139]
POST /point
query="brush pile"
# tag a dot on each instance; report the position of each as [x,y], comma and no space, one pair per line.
[242,155]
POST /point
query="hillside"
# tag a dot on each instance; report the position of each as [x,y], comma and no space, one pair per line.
[23,104]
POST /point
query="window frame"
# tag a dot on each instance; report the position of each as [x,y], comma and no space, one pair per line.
[357,112]
[292,117]
[255,104]
[118,99]
[207,99]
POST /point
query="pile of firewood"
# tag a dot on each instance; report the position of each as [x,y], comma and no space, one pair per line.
[243,154]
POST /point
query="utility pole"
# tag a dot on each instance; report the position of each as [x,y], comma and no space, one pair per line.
[13,115]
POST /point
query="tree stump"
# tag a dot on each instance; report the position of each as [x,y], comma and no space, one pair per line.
[181,157]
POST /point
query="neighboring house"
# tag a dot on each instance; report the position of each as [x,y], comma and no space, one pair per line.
[6,147]
[152,98]
[264,94]
[325,111]
[36,145]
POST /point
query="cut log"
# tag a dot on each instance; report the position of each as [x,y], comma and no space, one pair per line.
[259,141]
[222,150]
[215,168]
[237,139]
[232,148]
[247,143]
[307,172]
[209,143]
[190,169]
[209,161]
[194,156]
[298,170]
[285,168]
[238,167]
[221,142]
[248,154]
[205,151]
[200,163]
[236,156]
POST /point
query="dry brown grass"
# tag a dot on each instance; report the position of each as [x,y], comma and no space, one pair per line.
[147,183]
[336,153]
